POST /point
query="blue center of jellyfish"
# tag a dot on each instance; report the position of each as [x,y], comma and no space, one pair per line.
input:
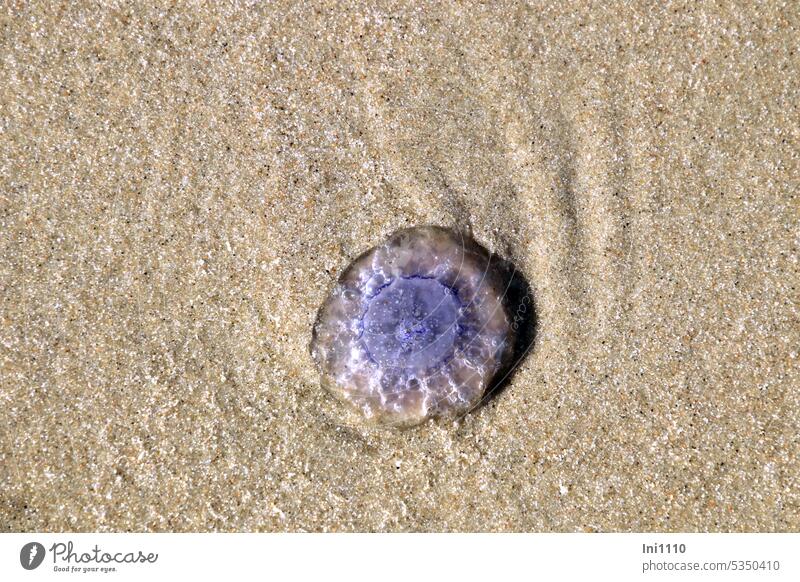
[411,322]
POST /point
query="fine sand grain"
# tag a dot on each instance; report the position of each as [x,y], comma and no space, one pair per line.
[180,188]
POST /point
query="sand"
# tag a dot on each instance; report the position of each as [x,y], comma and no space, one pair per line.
[181,187]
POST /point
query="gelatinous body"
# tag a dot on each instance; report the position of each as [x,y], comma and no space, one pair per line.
[416,327]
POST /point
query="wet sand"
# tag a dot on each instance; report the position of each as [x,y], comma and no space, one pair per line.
[180,188]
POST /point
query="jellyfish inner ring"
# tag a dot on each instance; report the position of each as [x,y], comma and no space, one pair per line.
[411,322]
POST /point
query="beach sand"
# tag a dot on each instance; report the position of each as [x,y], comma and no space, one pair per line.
[181,187]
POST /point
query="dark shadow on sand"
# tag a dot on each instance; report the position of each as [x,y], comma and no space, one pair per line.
[521,306]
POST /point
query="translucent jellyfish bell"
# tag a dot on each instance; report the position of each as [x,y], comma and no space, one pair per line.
[415,328]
